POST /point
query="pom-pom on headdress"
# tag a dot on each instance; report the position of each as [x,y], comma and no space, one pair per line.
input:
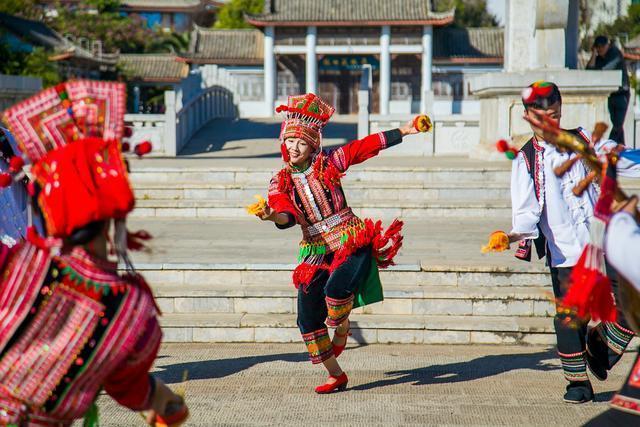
[306,116]
[541,94]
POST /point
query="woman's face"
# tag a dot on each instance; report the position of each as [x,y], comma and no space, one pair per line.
[299,151]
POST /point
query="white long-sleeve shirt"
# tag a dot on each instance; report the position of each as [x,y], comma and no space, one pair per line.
[622,246]
[563,217]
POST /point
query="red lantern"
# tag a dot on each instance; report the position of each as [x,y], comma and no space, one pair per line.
[15,164]
[143,148]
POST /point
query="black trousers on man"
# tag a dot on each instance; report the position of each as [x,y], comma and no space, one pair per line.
[618,104]
[606,342]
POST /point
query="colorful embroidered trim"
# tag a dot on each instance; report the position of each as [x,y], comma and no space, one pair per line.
[338,310]
[626,404]
[318,345]
[617,337]
[309,249]
[574,366]
[77,279]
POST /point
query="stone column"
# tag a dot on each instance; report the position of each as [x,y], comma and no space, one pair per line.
[426,93]
[385,69]
[312,60]
[270,71]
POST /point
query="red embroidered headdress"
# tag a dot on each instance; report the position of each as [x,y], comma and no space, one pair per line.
[306,115]
[71,133]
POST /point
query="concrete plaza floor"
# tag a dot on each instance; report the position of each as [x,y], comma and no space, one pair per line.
[272,385]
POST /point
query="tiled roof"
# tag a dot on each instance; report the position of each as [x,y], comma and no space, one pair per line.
[165,4]
[232,47]
[471,43]
[153,67]
[347,12]
[35,32]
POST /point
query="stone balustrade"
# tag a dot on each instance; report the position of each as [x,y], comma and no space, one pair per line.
[171,131]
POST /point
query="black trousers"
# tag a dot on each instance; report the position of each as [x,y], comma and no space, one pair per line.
[607,341]
[328,300]
[618,104]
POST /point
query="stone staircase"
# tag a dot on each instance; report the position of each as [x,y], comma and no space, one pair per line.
[441,305]
[453,295]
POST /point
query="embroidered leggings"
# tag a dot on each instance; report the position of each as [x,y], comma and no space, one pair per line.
[328,301]
[606,342]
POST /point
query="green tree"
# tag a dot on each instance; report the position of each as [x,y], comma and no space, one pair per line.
[232,14]
[24,8]
[624,28]
[469,13]
[37,64]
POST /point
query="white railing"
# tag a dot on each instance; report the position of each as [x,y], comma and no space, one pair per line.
[171,131]
[213,103]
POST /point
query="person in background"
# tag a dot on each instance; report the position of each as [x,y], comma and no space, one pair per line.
[606,56]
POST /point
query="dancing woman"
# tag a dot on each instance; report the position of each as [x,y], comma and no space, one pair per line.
[339,253]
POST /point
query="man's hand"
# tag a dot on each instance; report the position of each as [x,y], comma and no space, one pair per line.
[629,206]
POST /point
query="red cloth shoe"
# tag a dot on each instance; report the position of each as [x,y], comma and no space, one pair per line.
[340,384]
[175,419]
[338,349]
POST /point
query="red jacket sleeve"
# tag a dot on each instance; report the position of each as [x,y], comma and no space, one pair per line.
[363,149]
[130,383]
[281,202]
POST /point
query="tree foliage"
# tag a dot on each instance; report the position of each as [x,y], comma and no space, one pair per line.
[231,15]
[623,29]
[34,64]
[24,8]
[469,13]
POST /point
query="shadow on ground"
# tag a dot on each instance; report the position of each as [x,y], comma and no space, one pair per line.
[215,135]
[482,367]
[211,369]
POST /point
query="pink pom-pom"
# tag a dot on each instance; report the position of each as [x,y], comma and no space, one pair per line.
[143,148]
[5,180]
[15,164]
[502,145]
[528,95]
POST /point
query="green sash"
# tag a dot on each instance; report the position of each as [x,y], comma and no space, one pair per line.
[370,291]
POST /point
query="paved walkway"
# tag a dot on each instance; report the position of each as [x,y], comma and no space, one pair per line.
[272,384]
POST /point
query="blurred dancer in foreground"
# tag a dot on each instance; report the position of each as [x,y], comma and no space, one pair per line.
[70,325]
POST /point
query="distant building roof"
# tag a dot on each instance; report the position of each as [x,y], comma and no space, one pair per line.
[230,47]
[352,12]
[153,67]
[39,34]
[35,32]
[476,45]
[168,5]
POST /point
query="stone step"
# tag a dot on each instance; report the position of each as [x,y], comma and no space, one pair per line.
[403,300]
[196,277]
[398,175]
[356,193]
[366,329]
[381,209]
